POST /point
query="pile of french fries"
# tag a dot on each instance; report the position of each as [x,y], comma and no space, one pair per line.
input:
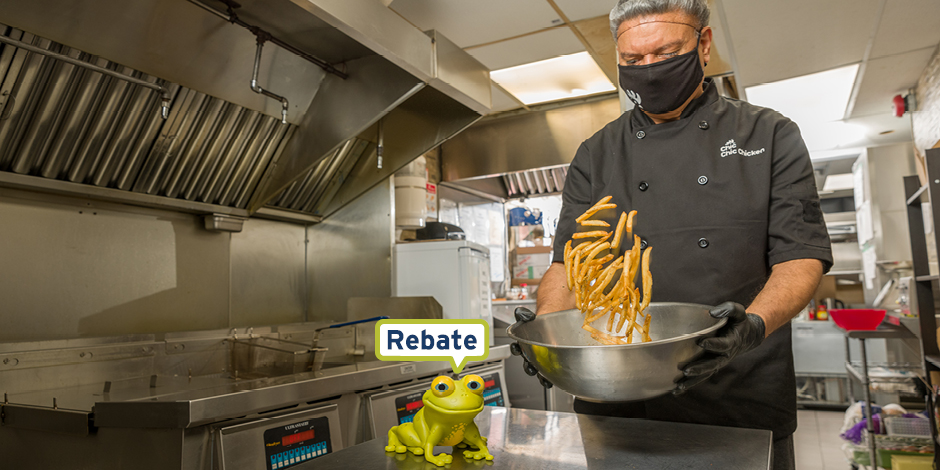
[597,288]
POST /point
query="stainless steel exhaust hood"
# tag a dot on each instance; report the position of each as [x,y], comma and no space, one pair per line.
[524,153]
[222,149]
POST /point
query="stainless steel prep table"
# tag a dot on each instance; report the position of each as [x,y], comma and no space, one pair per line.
[547,440]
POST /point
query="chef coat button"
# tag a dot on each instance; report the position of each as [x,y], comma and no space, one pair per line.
[702,180]
[643,244]
[644,185]
[703,125]
[640,134]
[703,243]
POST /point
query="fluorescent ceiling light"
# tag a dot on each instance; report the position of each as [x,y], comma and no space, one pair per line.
[567,76]
[814,98]
[831,135]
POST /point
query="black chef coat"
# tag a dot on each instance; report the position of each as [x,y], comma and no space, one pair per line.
[722,195]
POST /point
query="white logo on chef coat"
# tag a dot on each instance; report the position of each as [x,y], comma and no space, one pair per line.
[731,148]
[634,96]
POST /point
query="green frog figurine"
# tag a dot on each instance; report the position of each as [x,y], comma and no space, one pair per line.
[446,419]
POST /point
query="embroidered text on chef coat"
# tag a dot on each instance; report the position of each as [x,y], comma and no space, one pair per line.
[731,148]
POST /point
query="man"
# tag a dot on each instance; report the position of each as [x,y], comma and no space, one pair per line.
[725,192]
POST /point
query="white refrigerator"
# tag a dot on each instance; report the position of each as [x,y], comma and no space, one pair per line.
[455,272]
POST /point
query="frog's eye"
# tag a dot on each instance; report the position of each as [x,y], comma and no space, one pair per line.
[474,383]
[442,386]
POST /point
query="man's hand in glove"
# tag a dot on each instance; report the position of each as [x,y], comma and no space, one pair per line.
[525,315]
[743,332]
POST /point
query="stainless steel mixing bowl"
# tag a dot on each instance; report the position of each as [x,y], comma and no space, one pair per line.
[566,354]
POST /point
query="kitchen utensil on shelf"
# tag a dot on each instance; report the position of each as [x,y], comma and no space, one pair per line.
[567,356]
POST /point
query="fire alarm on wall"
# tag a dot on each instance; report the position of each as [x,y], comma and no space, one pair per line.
[903,104]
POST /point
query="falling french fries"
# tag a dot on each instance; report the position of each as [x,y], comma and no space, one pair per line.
[592,275]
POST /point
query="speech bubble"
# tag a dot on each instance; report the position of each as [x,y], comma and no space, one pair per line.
[456,341]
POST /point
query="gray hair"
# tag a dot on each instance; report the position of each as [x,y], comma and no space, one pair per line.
[629,9]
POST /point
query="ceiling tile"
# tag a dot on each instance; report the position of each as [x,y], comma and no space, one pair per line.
[596,32]
[469,23]
[887,77]
[777,40]
[907,25]
[876,124]
[539,46]
[577,10]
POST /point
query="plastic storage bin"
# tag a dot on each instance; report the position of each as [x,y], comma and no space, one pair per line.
[908,427]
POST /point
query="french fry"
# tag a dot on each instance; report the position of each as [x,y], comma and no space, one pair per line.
[618,232]
[593,278]
[594,210]
[587,247]
[630,221]
[594,252]
[588,213]
[596,233]
[647,279]
[594,223]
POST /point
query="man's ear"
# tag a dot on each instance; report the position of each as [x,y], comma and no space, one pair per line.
[705,44]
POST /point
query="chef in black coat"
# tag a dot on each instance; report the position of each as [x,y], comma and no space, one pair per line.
[726,196]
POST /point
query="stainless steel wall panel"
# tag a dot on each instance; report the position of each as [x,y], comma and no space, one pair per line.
[268,274]
[350,255]
[74,267]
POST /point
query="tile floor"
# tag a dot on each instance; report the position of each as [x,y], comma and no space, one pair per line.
[817,443]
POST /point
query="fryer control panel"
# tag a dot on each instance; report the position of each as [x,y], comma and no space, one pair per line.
[407,406]
[292,444]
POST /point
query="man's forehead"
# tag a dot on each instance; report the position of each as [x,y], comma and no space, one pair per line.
[671,19]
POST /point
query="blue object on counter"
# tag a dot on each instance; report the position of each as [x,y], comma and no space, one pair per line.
[523,216]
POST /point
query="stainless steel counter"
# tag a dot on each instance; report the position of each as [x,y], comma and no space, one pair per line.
[546,440]
[182,407]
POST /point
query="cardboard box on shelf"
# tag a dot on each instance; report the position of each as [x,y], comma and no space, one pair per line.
[528,272]
[527,236]
[533,256]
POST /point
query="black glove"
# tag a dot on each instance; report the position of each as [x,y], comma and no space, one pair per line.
[743,332]
[524,315]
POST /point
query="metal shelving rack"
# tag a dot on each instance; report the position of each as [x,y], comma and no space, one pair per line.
[861,372]
[916,196]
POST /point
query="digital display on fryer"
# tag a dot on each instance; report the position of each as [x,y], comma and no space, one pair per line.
[407,406]
[286,446]
[295,438]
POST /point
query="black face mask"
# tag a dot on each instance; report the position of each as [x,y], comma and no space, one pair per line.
[662,87]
